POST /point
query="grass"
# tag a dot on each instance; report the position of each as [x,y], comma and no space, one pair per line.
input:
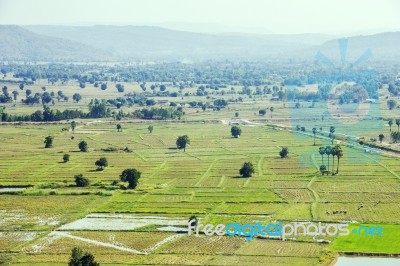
[202,181]
[387,244]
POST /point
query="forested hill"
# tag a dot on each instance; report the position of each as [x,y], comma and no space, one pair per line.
[17,43]
[126,43]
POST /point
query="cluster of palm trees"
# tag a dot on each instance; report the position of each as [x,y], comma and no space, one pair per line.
[394,135]
[390,123]
[331,151]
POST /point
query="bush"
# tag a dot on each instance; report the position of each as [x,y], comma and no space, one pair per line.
[110,149]
[247,169]
[101,163]
[131,176]
[236,131]
[78,258]
[284,152]
[66,158]
[83,146]
[81,181]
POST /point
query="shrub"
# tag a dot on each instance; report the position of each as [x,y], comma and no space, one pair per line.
[284,152]
[81,181]
[247,169]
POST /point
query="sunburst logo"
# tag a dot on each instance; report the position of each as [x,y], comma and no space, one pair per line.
[347,100]
[343,43]
[350,113]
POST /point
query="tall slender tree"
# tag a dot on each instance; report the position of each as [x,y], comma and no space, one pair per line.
[15,94]
[333,153]
[332,130]
[314,131]
[339,154]
[381,137]
[322,152]
[328,152]
[390,123]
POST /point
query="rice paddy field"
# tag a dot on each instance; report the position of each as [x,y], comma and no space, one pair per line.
[41,223]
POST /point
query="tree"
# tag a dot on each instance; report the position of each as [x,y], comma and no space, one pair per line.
[28,92]
[163,87]
[80,259]
[76,256]
[48,141]
[81,181]
[272,110]
[284,152]
[83,146]
[46,98]
[333,153]
[76,97]
[339,154]
[120,87]
[88,260]
[119,127]
[262,112]
[182,141]
[390,123]
[391,104]
[236,131]
[395,136]
[381,137]
[73,126]
[150,129]
[322,169]
[21,86]
[328,152]
[103,86]
[247,169]
[236,114]
[193,221]
[66,158]
[398,124]
[332,130]
[322,153]
[314,131]
[101,163]
[131,176]
[15,94]
[82,85]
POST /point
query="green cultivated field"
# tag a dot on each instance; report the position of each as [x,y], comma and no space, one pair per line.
[203,181]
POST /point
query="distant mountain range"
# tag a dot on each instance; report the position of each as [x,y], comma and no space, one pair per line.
[17,43]
[125,43]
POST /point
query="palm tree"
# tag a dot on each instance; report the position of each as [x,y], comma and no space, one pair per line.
[314,131]
[328,152]
[334,152]
[390,124]
[398,124]
[15,93]
[332,130]
[272,110]
[381,137]
[339,154]
[322,152]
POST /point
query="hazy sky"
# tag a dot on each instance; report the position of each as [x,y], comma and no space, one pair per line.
[276,16]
